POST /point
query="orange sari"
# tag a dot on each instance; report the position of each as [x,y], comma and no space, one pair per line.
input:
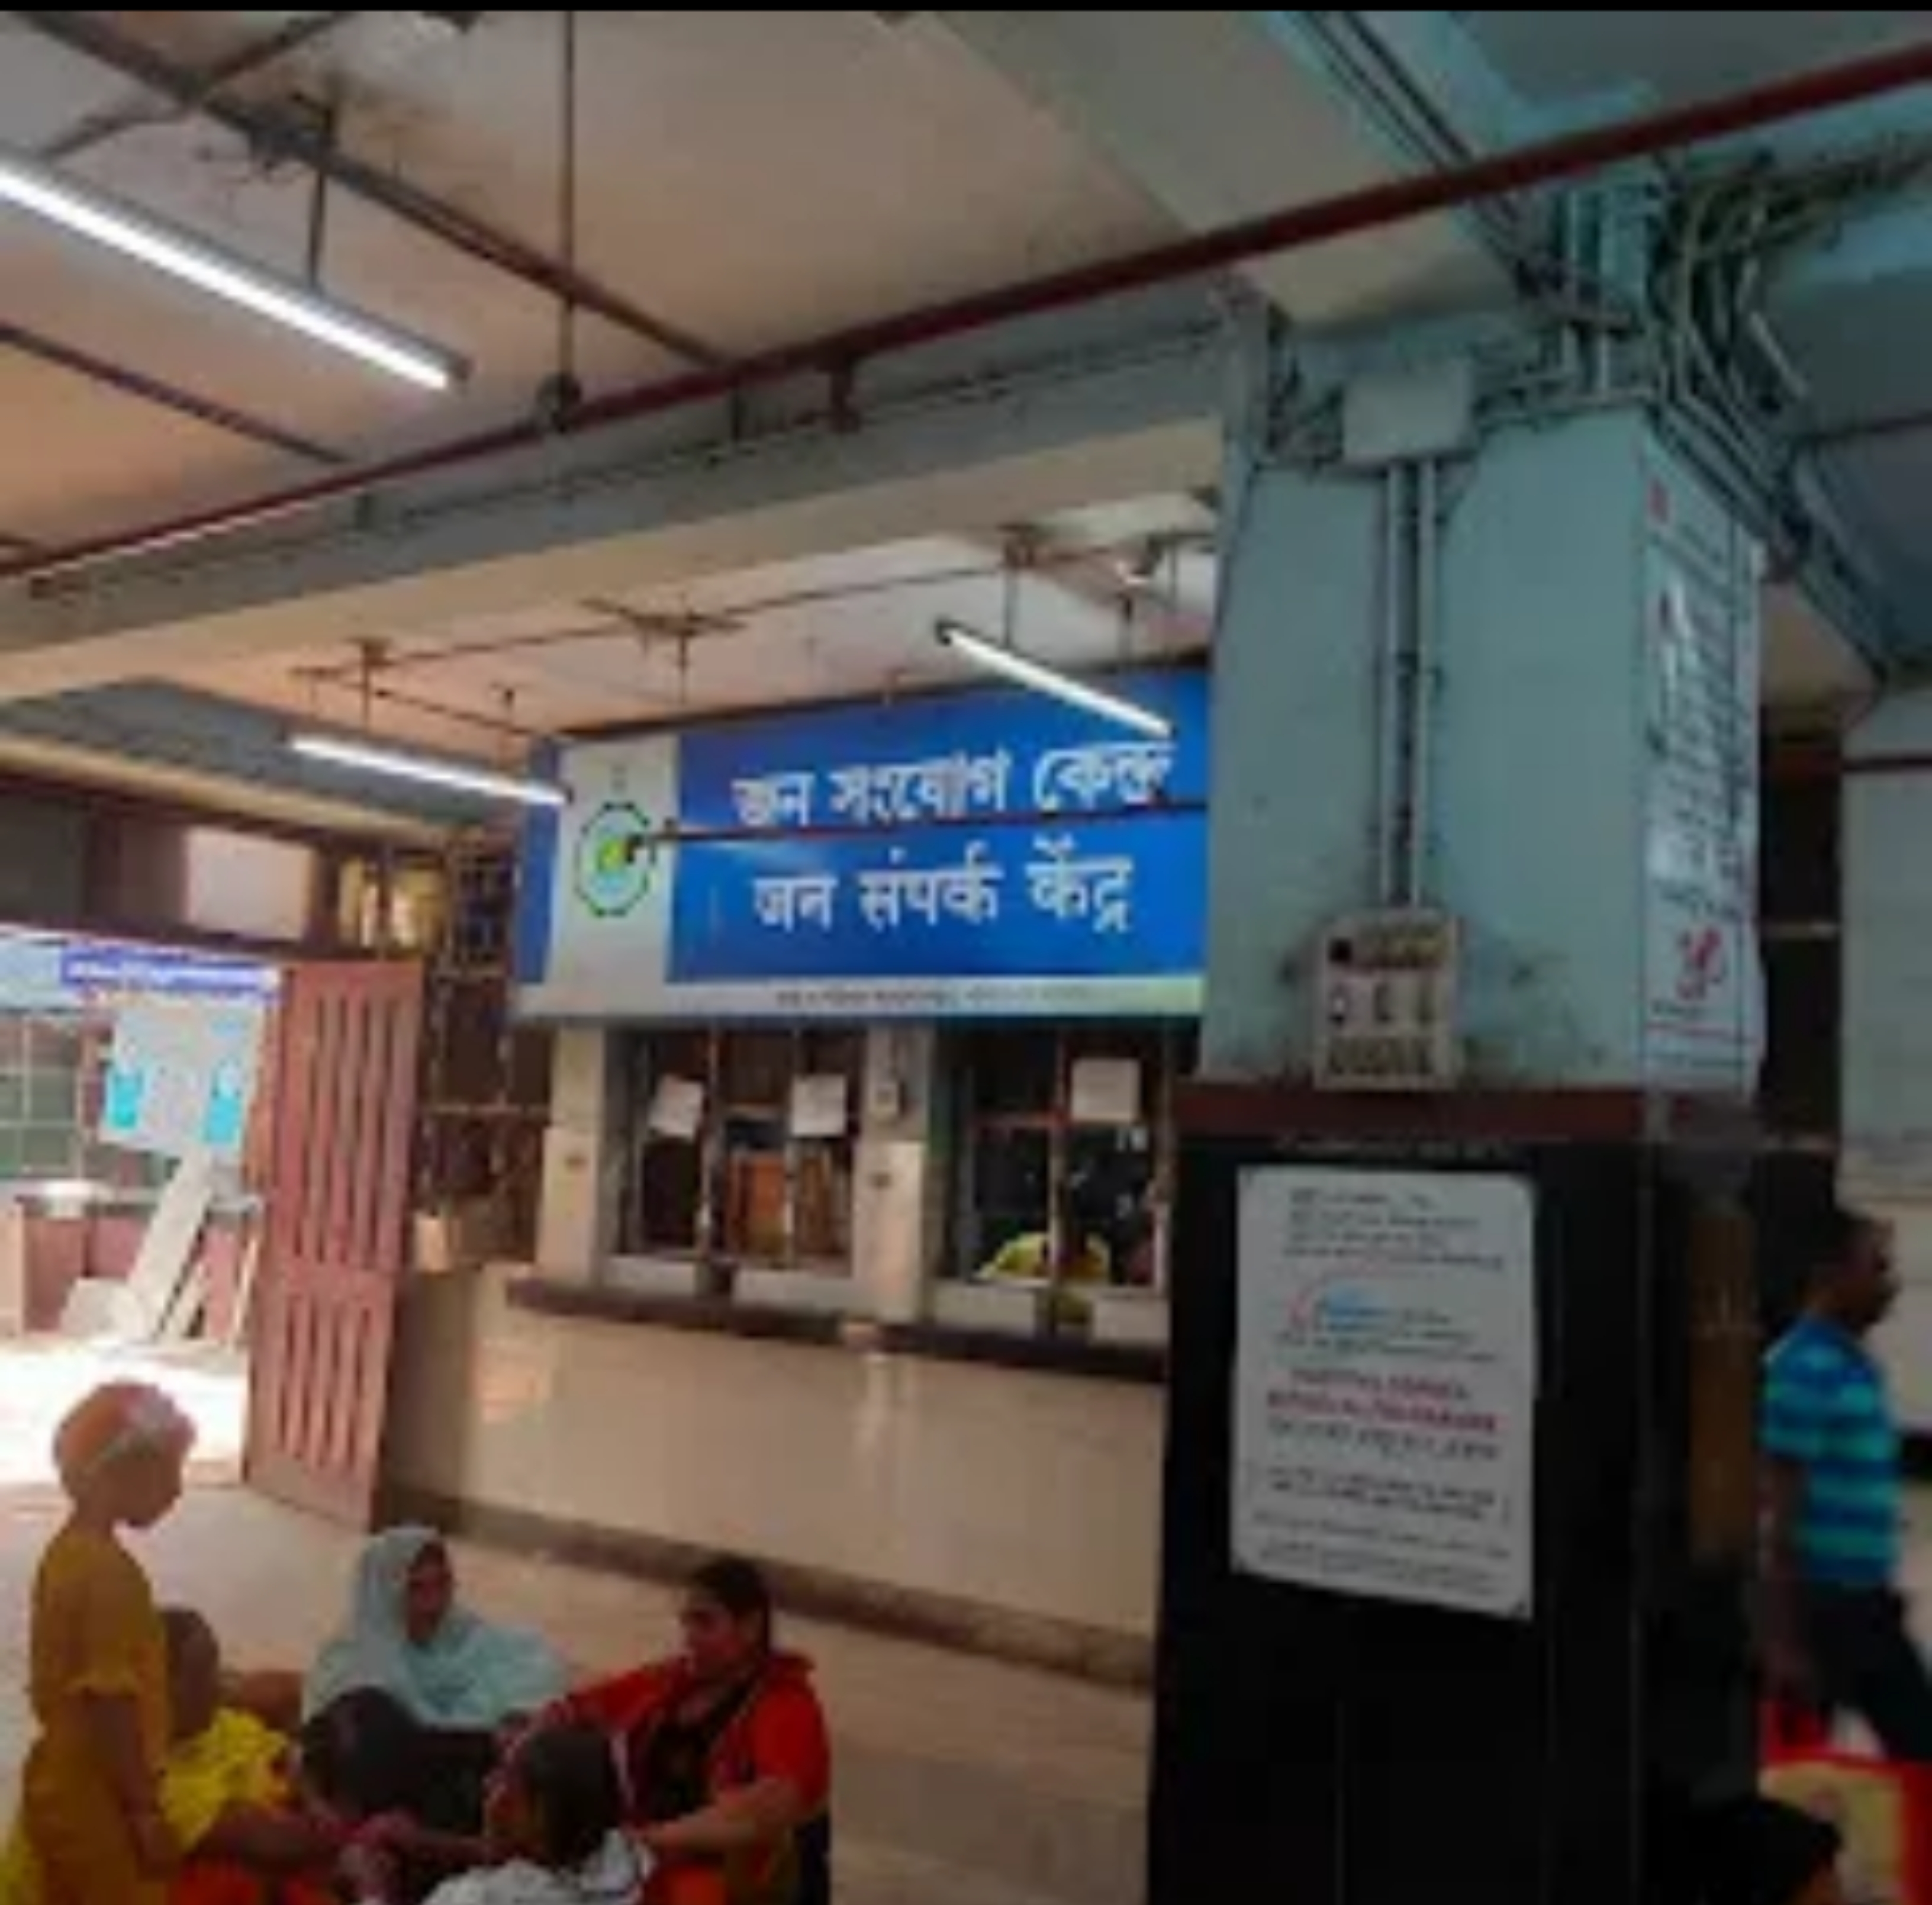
[688,1885]
[201,1883]
[238,1761]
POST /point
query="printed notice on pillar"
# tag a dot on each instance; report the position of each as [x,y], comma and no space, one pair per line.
[1704,1009]
[1385,1386]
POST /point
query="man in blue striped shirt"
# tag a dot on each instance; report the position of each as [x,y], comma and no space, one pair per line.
[1838,1632]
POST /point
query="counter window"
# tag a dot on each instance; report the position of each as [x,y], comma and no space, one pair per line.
[743,1147]
[1068,1154]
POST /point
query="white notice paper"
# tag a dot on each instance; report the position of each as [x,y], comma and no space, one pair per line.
[821,1105]
[1105,1091]
[1385,1385]
[677,1108]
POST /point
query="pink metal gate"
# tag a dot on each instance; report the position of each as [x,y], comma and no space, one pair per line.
[346,1080]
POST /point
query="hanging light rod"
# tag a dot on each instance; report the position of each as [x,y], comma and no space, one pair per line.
[32,187]
[432,770]
[996,659]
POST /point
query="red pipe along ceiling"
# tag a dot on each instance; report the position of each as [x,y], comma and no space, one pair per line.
[1545,162]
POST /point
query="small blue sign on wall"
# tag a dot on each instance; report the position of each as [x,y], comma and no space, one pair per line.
[181,1076]
[92,969]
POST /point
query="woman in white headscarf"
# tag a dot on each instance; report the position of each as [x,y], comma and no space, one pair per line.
[407,1636]
[406,1706]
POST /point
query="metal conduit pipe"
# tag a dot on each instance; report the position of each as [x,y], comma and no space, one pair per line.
[616,620]
[125,380]
[1427,686]
[838,353]
[1389,766]
[501,726]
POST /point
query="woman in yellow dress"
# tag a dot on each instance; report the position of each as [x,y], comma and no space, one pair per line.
[91,1809]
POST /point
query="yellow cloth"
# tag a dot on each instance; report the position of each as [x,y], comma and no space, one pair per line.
[1029,1259]
[95,1632]
[238,1761]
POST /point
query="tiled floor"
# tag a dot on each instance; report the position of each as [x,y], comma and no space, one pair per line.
[961,1783]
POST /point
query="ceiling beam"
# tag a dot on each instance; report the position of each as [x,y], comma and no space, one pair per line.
[282,135]
[124,381]
[158,729]
[1879,428]
[1095,407]
[1883,240]
[257,57]
[1131,86]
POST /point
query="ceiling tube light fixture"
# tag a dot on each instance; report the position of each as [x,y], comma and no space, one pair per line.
[431,770]
[996,659]
[32,187]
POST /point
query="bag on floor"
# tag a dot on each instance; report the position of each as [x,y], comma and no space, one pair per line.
[1883,1813]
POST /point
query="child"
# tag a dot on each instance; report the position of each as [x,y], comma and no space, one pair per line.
[229,1794]
[91,1809]
[555,1828]
[226,1795]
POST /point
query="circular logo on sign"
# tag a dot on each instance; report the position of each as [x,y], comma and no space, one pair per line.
[616,861]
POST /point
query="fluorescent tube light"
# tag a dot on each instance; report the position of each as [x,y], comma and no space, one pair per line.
[76,209]
[1000,660]
[430,769]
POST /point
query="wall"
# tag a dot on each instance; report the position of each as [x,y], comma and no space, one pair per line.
[1034,1495]
[75,857]
[43,860]
[1887,1029]
[1885,1032]
[1905,1342]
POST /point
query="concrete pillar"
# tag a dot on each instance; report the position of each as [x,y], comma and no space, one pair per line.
[898,1197]
[583,1164]
[1567,559]
[1481,1648]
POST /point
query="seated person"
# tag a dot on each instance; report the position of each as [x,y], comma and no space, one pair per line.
[229,1792]
[555,1834]
[724,1753]
[405,1708]
[227,1796]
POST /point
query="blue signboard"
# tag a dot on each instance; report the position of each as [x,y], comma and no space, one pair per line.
[990,836]
[94,969]
[48,972]
[991,852]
